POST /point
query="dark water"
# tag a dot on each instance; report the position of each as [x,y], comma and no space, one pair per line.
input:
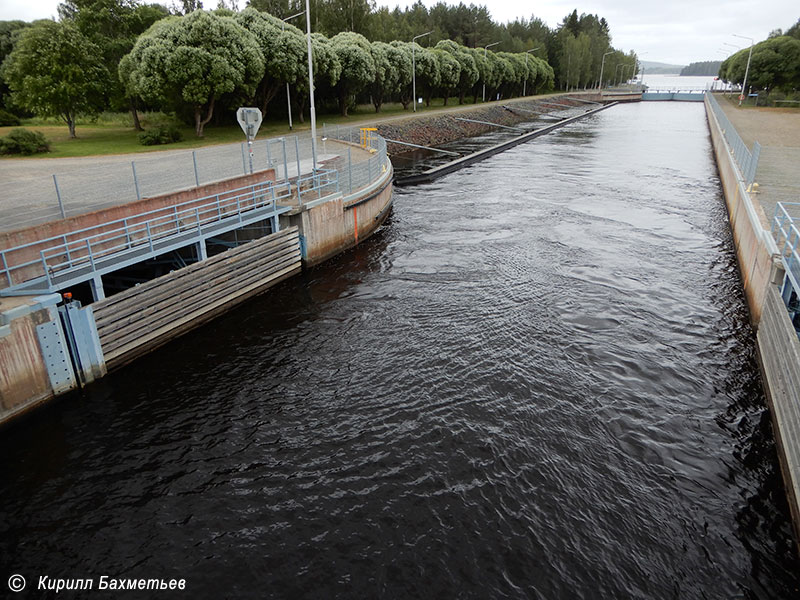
[538,381]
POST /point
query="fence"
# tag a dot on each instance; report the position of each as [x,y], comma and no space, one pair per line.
[357,173]
[32,193]
[746,161]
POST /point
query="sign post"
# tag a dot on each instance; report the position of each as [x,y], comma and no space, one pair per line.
[250,120]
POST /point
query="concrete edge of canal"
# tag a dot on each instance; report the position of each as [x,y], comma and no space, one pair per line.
[778,347]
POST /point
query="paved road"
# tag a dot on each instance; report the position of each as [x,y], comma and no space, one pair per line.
[777,130]
[29,194]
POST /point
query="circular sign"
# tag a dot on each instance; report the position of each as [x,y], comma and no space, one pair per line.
[741,96]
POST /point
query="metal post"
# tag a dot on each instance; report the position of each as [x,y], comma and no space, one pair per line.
[311,90]
[350,169]
[58,194]
[289,105]
[525,83]
[285,163]
[196,177]
[297,155]
[414,69]
[250,154]
[483,96]
[269,157]
[244,163]
[136,181]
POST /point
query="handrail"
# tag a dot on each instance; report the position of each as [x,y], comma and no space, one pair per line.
[783,224]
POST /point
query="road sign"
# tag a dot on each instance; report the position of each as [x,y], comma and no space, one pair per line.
[250,121]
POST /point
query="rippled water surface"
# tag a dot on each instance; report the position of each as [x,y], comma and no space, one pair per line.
[537,381]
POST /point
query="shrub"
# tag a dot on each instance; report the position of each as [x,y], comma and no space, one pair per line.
[7,119]
[25,142]
[163,134]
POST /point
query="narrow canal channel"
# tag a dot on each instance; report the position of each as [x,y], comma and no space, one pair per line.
[537,381]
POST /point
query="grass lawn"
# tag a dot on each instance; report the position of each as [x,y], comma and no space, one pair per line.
[113,133]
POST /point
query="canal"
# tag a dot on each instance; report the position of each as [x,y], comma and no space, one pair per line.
[537,381]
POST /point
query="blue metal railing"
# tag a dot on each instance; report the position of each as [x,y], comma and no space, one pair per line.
[147,232]
[787,234]
[746,160]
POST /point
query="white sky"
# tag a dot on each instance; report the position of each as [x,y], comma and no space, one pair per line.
[671,31]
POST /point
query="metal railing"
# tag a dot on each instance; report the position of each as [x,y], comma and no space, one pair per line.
[787,235]
[29,196]
[746,160]
[355,174]
[143,231]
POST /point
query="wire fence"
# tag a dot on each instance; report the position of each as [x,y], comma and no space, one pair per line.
[34,192]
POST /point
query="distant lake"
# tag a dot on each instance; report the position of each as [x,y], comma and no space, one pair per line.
[676,82]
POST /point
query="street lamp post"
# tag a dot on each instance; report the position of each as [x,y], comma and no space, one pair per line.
[313,110]
[524,83]
[483,95]
[414,68]
[747,69]
[288,97]
[603,64]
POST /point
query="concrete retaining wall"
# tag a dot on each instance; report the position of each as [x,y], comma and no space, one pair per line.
[759,261]
[332,225]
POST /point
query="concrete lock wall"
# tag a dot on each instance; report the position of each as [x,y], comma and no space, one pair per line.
[331,225]
[759,263]
[778,347]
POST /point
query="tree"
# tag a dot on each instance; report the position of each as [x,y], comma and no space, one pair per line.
[283,48]
[392,72]
[327,70]
[775,63]
[358,67]
[194,61]
[468,73]
[9,32]
[114,26]
[54,70]
[449,73]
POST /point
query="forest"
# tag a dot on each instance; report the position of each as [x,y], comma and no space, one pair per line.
[200,65]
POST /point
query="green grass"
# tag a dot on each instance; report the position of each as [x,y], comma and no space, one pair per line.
[113,133]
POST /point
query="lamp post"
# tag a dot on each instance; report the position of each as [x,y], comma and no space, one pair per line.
[524,83]
[603,64]
[313,110]
[288,97]
[483,95]
[747,69]
[414,68]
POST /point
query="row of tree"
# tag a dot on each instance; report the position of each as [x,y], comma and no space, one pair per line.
[120,54]
[774,64]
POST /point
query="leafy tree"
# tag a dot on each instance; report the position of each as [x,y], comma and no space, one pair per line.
[427,72]
[358,67]
[468,74]
[9,32]
[392,72]
[775,63]
[114,26]
[449,73]
[327,71]
[794,30]
[54,70]
[284,50]
[194,61]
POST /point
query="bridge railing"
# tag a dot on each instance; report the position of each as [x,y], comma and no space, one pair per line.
[358,173]
[786,233]
[83,248]
[745,159]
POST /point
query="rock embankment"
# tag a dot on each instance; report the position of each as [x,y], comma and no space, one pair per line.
[434,130]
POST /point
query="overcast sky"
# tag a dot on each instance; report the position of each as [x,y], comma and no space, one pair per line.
[671,31]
